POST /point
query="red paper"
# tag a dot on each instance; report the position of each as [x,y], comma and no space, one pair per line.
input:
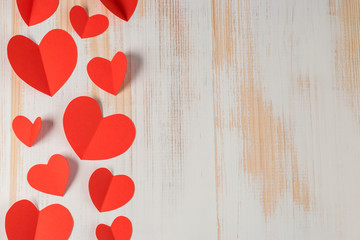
[45,67]
[50,178]
[108,75]
[93,137]
[121,229]
[124,9]
[86,26]
[24,221]
[110,192]
[36,11]
[25,130]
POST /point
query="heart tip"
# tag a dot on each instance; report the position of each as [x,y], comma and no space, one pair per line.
[124,18]
[28,23]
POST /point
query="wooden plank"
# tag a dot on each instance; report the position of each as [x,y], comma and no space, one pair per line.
[280,128]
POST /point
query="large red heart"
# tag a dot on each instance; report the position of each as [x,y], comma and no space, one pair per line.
[25,130]
[108,75]
[45,67]
[36,11]
[121,229]
[93,137]
[24,221]
[110,192]
[50,178]
[124,9]
[86,26]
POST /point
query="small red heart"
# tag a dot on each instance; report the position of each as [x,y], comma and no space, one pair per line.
[25,130]
[45,67]
[121,229]
[110,192]
[24,221]
[36,11]
[86,26]
[93,137]
[124,9]
[108,75]
[50,178]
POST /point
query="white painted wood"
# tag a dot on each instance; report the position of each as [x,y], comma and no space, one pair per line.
[246,115]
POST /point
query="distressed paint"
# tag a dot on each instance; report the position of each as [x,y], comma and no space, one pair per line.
[265,147]
[16,105]
[348,50]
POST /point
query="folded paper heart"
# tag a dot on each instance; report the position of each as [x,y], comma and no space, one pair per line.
[110,192]
[36,11]
[86,26]
[120,229]
[25,130]
[124,9]
[50,178]
[93,137]
[24,221]
[108,75]
[47,66]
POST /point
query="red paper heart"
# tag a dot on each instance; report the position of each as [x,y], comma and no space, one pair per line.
[25,130]
[93,137]
[108,75]
[50,178]
[121,229]
[124,9]
[45,67]
[110,192]
[24,221]
[36,11]
[86,26]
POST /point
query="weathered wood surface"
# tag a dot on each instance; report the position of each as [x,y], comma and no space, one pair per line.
[247,117]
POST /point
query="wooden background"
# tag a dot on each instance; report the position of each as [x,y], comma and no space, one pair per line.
[247,117]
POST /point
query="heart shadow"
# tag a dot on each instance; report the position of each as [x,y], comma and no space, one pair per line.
[46,126]
[73,169]
[134,65]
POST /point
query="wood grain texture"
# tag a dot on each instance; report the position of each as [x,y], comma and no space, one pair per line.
[247,118]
